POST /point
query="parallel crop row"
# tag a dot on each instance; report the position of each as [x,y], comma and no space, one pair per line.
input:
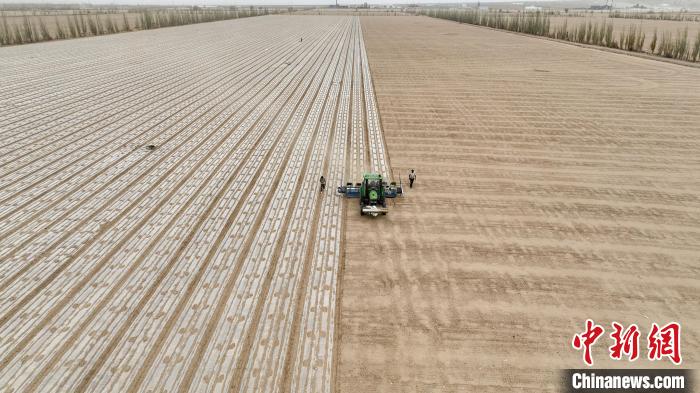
[162,225]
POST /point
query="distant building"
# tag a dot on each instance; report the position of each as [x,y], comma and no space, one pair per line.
[336,5]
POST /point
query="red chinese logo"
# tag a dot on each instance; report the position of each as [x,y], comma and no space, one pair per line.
[663,342]
[586,339]
[626,342]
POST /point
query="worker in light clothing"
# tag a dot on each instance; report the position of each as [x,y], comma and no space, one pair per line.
[323,183]
[411,178]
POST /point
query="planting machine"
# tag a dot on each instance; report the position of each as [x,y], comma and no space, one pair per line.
[373,193]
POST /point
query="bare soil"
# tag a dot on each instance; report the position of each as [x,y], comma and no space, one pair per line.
[554,183]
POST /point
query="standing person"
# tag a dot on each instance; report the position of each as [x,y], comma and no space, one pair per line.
[323,183]
[411,178]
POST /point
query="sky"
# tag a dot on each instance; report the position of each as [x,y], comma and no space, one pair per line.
[242,2]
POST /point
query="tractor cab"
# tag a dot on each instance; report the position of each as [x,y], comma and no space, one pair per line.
[372,198]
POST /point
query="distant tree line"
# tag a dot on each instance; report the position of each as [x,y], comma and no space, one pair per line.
[681,16]
[31,30]
[632,38]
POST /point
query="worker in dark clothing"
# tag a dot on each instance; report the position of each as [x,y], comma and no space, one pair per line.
[411,178]
[323,183]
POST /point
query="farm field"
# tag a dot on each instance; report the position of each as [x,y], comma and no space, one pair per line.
[161,225]
[162,229]
[554,183]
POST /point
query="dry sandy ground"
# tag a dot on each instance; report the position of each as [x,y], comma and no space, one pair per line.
[555,183]
[161,225]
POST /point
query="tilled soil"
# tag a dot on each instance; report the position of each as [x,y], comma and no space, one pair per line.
[554,184]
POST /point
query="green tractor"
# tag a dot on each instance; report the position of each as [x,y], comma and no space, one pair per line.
[372,196]
[372,192]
